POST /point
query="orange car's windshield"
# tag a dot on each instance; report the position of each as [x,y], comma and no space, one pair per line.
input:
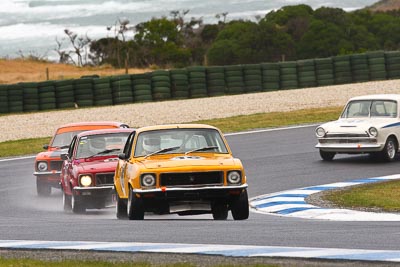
[185,140]
[63,139]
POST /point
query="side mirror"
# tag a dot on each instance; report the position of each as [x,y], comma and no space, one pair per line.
[64,156]
[46,146]
[122,156]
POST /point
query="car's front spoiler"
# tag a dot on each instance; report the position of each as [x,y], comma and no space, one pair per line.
[47,173]
[350,148]
[188,189]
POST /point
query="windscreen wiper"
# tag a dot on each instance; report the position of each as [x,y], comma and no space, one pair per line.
[104,152]
[201,149]
[168,149]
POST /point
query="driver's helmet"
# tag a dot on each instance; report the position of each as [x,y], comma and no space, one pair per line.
[151,144]
[98,143]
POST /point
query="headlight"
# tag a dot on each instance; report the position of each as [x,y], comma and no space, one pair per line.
[234,177]
[148,180]
[320,132]
[85,180]
[373,131]
[42,166]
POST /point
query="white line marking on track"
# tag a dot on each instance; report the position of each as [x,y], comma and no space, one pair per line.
[210,249]
[272,129]
[18,158]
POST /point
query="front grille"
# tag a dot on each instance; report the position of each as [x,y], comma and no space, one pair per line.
[56,165]
[192,179]
[347,141]
[345,135]
[104,179]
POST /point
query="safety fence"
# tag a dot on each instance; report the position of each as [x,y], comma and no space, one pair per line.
[198,81]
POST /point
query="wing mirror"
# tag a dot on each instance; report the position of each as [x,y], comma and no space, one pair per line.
[122,156]
[64,156]
[46,146]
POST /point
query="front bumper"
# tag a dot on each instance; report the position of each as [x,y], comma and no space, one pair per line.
[94,191]
[191,193]
[350,148]
[95,197]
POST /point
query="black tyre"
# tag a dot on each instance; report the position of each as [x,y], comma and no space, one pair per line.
[327,156]
[42,188]
[135,209]
[219,211]
[76,205]
[121,209]
[67,204]
[390,149]
[240,207]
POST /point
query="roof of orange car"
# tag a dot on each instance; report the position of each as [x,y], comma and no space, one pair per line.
[92,125]
[176,126]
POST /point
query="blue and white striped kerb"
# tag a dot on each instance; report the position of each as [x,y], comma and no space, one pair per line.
[218,250]
[292,203]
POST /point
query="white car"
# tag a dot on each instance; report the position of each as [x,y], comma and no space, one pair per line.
[368,124]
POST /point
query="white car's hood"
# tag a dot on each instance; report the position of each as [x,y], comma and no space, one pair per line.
[357,125]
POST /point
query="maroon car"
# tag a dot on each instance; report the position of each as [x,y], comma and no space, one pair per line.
[87,173]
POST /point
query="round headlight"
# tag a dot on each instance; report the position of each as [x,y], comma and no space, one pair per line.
[42,166]
[373,131]
[148,180]
[234,177]
[320,132]
[85,180]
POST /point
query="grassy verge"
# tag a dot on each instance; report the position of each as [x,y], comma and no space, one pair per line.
[232,124]
[383,196]
[22,147]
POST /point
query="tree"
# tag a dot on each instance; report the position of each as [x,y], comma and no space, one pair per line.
[162,41]
[79,44]
[321,40]
[243,42]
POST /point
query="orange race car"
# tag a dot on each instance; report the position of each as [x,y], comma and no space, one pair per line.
[48,163]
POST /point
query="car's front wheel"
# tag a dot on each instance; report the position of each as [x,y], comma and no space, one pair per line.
[135,207]
[42,188]
[240,206]
[389,150]
[219,211]
[67,202]
[327,156]
[77,205]
[121,208]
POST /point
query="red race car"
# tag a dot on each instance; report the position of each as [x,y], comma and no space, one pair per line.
[48,163]
[87,173]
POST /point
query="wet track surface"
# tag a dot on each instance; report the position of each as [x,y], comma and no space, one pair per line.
[274,161]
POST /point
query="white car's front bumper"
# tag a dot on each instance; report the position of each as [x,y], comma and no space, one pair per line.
[350,147]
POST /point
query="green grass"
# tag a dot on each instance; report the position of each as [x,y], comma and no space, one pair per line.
[23,147]
[383,196]
[274,119]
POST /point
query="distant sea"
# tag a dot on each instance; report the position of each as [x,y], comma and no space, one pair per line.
[30,27]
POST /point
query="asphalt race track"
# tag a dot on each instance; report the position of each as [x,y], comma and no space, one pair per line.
[274,161]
